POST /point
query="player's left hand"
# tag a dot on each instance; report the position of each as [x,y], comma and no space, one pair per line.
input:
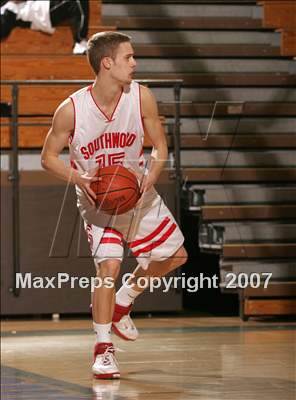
[147,182]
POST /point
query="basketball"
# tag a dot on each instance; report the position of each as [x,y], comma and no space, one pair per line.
[118,191]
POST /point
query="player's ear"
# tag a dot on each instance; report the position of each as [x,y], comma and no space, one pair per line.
[106,62]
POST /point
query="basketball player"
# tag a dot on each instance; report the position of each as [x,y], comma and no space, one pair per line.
[103,124]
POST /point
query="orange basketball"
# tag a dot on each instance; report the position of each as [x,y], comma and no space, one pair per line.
[118,191]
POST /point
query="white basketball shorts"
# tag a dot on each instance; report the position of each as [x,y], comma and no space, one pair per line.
[149,230]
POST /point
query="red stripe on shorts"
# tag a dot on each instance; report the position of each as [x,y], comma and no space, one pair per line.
[114,231]
[111,241]
[151,235]
[158,242]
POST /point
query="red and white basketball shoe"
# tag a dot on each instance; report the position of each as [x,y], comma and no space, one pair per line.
[122,324]
[105,364]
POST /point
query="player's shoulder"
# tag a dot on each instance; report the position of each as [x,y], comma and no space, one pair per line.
[65,108]
[146,94]
[144,89]
[64,116]
[80,92]
[148,101]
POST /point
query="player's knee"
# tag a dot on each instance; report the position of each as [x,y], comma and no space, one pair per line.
[109,268]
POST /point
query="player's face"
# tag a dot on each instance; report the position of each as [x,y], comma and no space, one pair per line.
[124,64]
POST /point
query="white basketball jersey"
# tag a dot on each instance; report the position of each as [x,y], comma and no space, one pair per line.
[99,141]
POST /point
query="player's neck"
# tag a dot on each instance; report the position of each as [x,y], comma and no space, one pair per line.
[105,91]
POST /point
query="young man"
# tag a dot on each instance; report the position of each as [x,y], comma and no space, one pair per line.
[96,122]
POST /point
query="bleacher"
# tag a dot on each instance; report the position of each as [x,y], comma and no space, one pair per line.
[239,53]
[281,15]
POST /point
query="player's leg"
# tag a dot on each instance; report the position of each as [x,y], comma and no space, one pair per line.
[158,268]
[104,291]
[107,250]
[157,243]
[105,364]
[122,323]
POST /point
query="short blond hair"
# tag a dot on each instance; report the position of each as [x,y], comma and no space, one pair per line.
[104,44]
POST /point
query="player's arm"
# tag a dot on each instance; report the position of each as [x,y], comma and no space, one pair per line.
[56,140]
[155,132]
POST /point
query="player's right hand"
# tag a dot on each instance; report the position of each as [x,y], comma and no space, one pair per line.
[83,182]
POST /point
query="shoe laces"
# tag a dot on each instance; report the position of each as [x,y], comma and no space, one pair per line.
[127,322]
[107,355]
[124,322]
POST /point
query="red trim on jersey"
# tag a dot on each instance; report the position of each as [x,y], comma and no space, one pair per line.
[111,230]
[158,242]
[73,165]
[101,111]
[73,133]
[151,235]
[90,239]
[109,240]
[141,114]
[141,162]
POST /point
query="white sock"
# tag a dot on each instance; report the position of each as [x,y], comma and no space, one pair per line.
[103,332]
[126,295]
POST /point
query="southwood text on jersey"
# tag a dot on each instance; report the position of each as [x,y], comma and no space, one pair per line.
[108,140]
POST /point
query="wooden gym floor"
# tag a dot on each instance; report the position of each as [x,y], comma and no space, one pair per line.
[174,358]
